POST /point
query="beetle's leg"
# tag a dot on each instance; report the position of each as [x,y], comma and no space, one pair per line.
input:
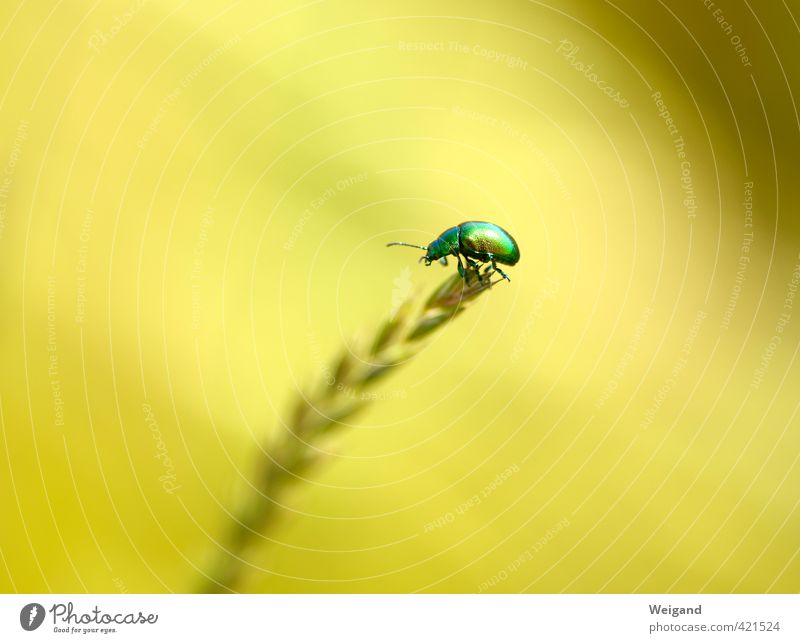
[460,266]
[472,264]
[500,272]
[443,261]
[487,272]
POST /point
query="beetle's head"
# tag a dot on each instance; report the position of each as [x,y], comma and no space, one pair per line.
[434,252]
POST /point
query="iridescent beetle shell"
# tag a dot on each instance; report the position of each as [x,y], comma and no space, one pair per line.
[476,241]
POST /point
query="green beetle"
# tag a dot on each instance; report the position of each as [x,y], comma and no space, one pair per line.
[476,241]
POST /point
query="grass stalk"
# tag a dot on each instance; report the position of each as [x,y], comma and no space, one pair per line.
[315,415]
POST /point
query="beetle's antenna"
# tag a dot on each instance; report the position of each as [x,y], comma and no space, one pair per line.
[410,245]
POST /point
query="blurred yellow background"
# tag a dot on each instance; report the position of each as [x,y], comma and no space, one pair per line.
[194,204]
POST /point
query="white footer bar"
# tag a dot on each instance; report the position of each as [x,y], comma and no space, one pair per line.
[382,618]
